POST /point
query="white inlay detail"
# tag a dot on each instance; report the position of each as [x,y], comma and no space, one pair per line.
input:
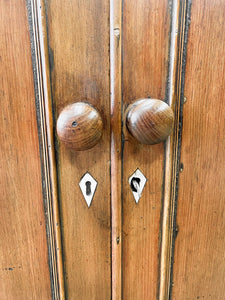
[137,182]
[88,186]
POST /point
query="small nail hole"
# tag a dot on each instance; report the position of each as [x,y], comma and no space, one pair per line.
[74,124]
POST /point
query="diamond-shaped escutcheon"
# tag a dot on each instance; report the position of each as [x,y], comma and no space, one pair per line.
[88,187]
[137,182]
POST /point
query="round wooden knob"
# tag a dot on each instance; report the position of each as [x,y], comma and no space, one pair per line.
[150,121]
[79,126]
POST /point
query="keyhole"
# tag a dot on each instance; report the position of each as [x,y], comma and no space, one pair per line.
[88,188]
[135,184]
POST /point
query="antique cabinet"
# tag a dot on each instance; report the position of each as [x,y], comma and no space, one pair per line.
[93,204]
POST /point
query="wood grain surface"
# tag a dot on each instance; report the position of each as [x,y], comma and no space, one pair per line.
[150,121]
[146,26]
[24,272]
[79,126]
[199,263]
[79,59]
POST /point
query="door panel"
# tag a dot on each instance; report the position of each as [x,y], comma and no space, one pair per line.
[145,54]
[79,59]
[199,266]
[24,272]
[110,54]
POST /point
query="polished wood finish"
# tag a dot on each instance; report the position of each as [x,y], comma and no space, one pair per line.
[145,35]
[79,126]
[24,272]
[78,33]
[199,264]
[150,121]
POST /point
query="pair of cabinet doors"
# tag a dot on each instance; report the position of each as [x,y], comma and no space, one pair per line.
[121,220]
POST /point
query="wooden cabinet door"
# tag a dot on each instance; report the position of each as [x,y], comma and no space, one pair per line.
[120,218]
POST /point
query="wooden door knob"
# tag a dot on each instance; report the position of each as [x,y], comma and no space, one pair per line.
[150,121]
[79,126]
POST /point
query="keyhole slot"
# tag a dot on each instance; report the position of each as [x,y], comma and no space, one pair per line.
[88,188]
[135,184]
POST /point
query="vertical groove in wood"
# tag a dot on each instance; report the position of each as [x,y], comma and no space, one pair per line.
[41,65]
[179,26]
[116,125]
